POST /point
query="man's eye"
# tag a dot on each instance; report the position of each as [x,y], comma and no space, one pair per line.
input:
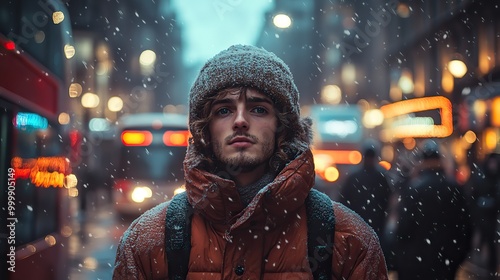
[259,110]
[222,111]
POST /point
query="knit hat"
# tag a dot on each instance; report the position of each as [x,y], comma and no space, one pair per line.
[247,66]
[253,67]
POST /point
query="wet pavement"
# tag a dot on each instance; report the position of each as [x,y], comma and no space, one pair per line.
[94,241]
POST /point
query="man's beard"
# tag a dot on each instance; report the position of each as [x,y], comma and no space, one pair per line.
[243,162]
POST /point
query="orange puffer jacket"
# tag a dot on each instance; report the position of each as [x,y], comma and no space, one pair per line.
[265,240]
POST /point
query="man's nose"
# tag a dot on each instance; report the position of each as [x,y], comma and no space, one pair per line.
[240,122]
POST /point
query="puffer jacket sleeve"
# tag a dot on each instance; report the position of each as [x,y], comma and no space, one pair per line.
[140,254]
[357,251]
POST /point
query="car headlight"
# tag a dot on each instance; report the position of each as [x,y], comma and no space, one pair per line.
[139,194]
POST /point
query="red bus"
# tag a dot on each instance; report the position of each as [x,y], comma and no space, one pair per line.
[34,167]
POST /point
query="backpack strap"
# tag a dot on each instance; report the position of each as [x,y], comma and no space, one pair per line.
[320,233]
[178,236]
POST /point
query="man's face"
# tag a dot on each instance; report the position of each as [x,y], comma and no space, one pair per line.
[243,129]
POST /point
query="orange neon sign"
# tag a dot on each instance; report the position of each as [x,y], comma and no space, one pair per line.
[418,129]
[43,171]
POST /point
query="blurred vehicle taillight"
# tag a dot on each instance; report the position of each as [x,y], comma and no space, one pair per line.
[122,186]
[176,138]
[136,138]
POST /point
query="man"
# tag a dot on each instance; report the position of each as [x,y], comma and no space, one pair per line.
[248,171]
[433,232]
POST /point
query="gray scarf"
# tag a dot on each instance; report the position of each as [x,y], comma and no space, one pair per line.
[248,192]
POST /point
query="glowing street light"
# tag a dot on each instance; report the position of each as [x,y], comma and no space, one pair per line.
[282,21]
[63,118]
[373,118]
[406,82]
[457,68]
[331,94]
[147,61]
[147,58]
[90,100]
[115,104]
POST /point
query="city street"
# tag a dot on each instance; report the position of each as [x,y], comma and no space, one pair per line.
[112,107]
[95,239]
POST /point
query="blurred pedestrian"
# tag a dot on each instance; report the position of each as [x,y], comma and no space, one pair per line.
[367,191]
[399,178]
[433,231]
[484,186]
[248,171]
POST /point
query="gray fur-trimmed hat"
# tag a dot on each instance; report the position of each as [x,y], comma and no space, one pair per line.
[253,67]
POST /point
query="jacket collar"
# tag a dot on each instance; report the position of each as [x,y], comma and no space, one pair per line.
[217,198]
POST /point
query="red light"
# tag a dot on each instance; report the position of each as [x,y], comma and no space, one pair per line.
[176,138]
[74,138]
[122,185]
[137,138]
[9,45]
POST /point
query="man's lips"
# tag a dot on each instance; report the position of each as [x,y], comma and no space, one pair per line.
[240,140]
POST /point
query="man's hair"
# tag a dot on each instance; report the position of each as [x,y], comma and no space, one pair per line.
[282,153]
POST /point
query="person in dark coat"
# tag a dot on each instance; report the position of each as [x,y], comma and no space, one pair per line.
[366,190]
[433,232]
[483,187]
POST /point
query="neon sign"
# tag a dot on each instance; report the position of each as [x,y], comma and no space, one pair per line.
[43,171]
[400,123]
[340,128]
[337,123]
[26,121]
